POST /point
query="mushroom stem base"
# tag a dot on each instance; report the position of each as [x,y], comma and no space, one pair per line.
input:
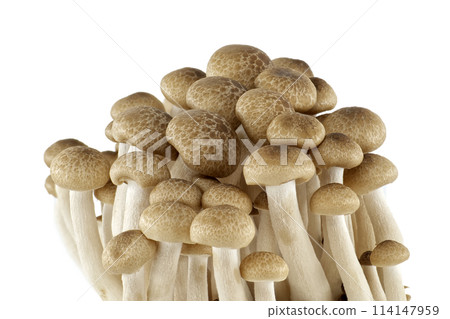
[264,291]
[197,283]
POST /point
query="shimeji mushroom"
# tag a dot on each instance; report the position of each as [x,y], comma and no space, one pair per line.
[134,100]
[226,229]
[174,87]
[169,223]
[294,64]
[264,268]
[81,170]
[314,221]
[326,97]
[223,194]
[106,196]
[370,271]
[335,200]
[177,190]
[388,254]
[197,279]
[239,62]
[126,254]
[205,182]
[277,172]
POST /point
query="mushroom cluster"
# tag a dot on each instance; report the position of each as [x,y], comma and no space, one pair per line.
[242,184]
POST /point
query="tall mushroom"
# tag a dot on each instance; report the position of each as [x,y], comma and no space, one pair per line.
[197,279]
[106,196]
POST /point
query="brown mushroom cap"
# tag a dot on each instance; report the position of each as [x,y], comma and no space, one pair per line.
[196,249]
[110,155]
[326,97]
[374,172]
[297,65]
[168,222]
[364,260]
[127,252]
[177,190]
[53,150]
[360,124]
[190,127]
[108,132]
[241,63]
[223,194]
[256,108]
[50,186]
[139,167]
[334,199]
[80,168]
[135,100]
[223,226]
[261,202]
[218,95]
[263,266]
[338,150]
[205,182]
[175,85]
[107,193]
[272,170]
[295,87]
[389,253]
[295,126]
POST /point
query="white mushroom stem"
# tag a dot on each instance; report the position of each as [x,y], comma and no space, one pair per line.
[314,220]
[393,284]
[264,291]
[179,169]
[180,289]
[63,199]
[134,288]
[226,272]
[374,283]
[197,280]
[212,281]
[164,271]
[302,202]
[329,266]
[120,197]
[266,240]
[365,238]
[90,247]
[106,223]
[306,277]
[67,239]
[349,224]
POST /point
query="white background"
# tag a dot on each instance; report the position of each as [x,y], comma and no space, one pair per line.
[64,63]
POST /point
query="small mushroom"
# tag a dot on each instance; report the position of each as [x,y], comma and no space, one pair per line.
[294,64]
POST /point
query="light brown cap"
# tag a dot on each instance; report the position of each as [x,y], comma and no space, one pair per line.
[264,266]
[295,87]
[223,226]
[326,97]
[364,260]
[205,182]
[134,100]
[257,108]
[360,124]
[106,194]
[108,132]
[143,127]
[322,117]
[139,167]
[374,172]
[80,168]
[334,199]
[110,155]
[177,190]
[127,252]
[408,297]
[196,249]
[261,202]
[295,126]
[389,253]
[224,194]
[297,65]
[270,169]
[189,127]
[239,62]
[168,222]
[175,85]
[50,186]
[53,150]
[216,94]
[338,150]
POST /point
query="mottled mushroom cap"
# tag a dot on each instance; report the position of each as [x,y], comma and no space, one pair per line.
[134,100]
[143,127]
[334,199]
[198,136]
[298,65]
[241,63]
[177,190]
[196,249]
[261,202]
[263,266]
[168,222]
[106,194]
[205,182]
[269,166]
[223,226]
[326,97]
[295,87]
[360,124]
[218,95]
[53,150]
[338,150]
[297,126]
[108,132]
[127,252]
[50,186]
[374,172]
[146,170]
[175,85]
[389,253]
[80,168]
[111,156]
[364,260]
[256,108]
[223,194]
